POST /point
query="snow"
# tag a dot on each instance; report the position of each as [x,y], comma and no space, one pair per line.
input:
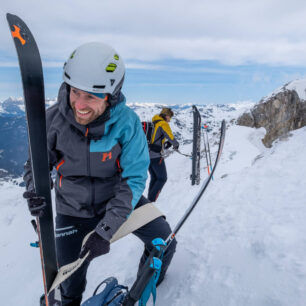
[244,244]
[298,85]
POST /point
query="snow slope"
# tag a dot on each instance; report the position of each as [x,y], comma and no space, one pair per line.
[243,245]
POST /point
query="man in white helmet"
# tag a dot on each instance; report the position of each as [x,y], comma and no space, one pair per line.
[98,148]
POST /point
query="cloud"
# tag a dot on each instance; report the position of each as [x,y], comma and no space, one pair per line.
[233,32]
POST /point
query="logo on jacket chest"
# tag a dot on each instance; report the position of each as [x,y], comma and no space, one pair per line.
[106,156]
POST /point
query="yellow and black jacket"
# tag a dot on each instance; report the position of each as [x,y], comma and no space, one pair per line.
[162,132]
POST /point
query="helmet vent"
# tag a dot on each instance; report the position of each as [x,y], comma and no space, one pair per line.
[116,57]
[111,67]
[99,86]
[72,54]
[67,75]
[112,82]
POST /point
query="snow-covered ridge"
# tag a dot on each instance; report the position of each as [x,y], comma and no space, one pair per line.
[298,85]
[15,106]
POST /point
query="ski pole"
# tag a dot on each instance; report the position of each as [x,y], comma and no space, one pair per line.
[179,152]
[145,275]
[147,272]
[202,190]
[209,155]
[205,149]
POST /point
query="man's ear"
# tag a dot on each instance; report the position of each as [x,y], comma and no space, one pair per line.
[106,98]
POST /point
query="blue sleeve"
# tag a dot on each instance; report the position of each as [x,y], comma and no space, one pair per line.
[135,160]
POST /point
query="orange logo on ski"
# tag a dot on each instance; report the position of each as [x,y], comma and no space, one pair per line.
[106,156]
[16,34]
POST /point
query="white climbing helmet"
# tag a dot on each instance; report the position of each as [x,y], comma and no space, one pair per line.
[95,67]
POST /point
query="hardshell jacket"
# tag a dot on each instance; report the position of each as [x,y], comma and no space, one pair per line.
[101,168]
[162,132]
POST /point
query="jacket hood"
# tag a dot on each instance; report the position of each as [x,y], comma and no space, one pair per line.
[95,129]
[157,118]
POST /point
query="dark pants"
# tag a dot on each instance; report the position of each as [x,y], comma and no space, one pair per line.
[158,174]
[70,232]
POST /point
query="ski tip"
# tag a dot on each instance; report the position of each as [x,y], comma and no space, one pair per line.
[10,16]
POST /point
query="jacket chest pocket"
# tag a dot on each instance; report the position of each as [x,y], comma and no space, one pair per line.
[104,164]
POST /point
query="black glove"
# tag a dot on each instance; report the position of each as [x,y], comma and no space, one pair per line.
[176,147]
[96,245]
[36,204]
[167,145]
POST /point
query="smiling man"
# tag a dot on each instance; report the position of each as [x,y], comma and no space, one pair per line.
[98,148]
[86,106]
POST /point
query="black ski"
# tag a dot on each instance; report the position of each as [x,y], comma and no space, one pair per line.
[147,271]
[34,99]
[196,149]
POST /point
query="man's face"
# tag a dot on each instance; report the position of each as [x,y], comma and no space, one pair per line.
[168,118]
[86,107]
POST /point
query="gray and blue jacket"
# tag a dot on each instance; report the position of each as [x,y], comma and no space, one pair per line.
[101,168]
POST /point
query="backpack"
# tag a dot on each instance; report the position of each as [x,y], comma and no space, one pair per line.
[112,294]
[148,128]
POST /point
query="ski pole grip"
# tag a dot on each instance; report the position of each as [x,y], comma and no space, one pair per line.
[34,224]
[146,273]
[136,291]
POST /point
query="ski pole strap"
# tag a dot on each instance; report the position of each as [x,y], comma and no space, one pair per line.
[156,264]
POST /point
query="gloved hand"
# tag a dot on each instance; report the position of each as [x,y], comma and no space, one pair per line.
[176,147]
[96,245]
[167,145]
[36,204]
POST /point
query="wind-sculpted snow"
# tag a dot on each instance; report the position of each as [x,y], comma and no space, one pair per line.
[243,245]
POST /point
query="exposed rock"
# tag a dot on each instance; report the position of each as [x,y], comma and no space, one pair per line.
[281,113]
[246,119]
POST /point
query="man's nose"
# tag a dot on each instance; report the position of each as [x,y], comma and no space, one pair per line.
[80,102]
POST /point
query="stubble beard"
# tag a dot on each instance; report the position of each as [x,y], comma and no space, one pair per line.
[84,121]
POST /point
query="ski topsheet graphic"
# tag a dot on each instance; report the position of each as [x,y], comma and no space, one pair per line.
[34,99]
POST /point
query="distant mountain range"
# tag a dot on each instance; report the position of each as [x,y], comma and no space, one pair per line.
[14,142]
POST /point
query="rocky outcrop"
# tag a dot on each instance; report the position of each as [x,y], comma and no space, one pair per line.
[281,113]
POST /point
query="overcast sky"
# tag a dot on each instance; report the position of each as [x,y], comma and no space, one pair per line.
[175,51]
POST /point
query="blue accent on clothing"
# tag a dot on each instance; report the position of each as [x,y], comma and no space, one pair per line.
[124,127]
[97,94]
